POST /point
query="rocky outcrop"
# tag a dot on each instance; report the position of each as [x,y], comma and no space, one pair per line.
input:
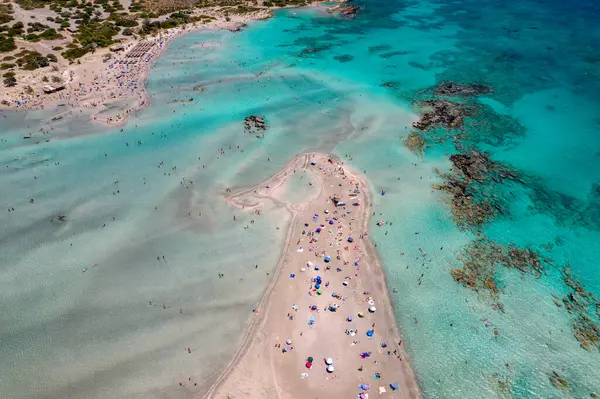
[471,187]
[455,89]
[442,113]
[254,123]
[348,11]
[415,143]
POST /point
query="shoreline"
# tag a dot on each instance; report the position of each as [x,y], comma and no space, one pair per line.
[261,326]
[132,90]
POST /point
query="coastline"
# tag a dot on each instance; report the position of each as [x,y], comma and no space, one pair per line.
[263,327]
[96,84]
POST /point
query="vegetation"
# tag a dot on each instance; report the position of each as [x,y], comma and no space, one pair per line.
[6,11]
[7,43]
[30,60]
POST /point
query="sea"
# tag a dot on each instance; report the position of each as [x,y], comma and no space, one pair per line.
[124,273]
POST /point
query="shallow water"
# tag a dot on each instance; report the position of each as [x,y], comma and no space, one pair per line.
[81,300]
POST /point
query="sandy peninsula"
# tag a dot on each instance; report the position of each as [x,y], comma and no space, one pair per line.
[325,326]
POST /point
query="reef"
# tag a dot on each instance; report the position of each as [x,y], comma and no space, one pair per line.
[566,209]
[253,124]
[584,305]
[558,381]
[481,259]
[344,58]
[415,143]
[455,89]
[442,113]
[349,12]
[471,186]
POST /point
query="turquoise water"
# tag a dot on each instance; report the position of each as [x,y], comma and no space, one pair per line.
[90,308]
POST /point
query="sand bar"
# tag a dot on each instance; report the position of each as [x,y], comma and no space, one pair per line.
[300,319]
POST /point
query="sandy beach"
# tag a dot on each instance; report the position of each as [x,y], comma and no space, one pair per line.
[112,84]
[325,326]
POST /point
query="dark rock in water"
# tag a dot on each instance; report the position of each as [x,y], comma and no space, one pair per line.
[581,303]
[455,89]
[482,257]
[253,123]
[415,143]
[344,58]
[474,177]
[349,11]
[443,113]
[558,381]
[586,332]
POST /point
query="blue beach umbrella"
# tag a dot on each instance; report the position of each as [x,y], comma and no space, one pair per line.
[327,259]
[369,333]
[350,239]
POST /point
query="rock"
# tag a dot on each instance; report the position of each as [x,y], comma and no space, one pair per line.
[349,12]
[558,381]
[443,113]
[455,89]
[415,143]
[253,123]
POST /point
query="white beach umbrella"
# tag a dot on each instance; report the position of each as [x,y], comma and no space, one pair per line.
[372,309]
[329,361]
[330,369]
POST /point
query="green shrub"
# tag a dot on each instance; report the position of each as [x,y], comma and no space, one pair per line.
[7,43]
[76,52]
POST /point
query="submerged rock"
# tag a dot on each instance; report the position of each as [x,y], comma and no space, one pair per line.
[442,113]
[455,89]
[348,11]
[253,123]
[415,143]
[481,258]
[474,176]
[558,381]
[584,305]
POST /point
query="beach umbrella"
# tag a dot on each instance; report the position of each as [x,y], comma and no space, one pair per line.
[327,259]
[350,239]
[317,286]
[319,292]
[331,222]
[394,386]
[372,309]
[349,318]
[345,283]
[330,369]
[329,361]
[308,365]
[310,359]
[361,314]
[369,333]
[292,275]
[288,341]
